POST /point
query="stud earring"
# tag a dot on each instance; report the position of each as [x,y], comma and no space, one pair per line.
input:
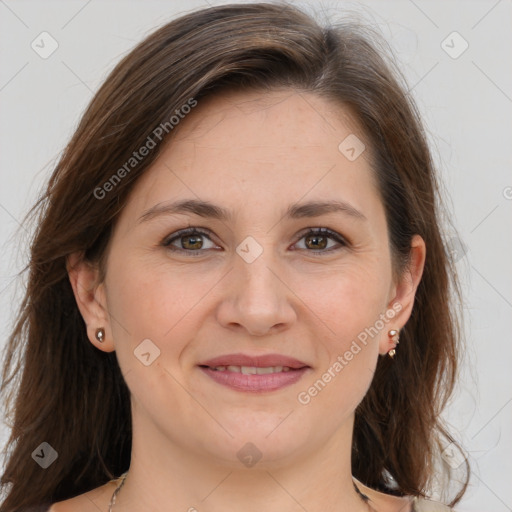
[100,334]
[394,334]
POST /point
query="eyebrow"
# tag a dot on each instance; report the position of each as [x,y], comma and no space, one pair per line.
[209,210]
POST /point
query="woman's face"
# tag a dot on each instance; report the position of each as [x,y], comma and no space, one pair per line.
[253,281]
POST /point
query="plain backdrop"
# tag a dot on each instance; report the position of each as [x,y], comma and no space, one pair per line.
[456,58]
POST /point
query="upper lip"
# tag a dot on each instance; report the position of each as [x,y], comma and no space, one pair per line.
[259,361]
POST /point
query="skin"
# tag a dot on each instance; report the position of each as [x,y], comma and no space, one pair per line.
[254,154]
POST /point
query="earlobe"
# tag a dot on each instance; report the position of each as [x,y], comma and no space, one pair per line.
[91,300]
[394,336]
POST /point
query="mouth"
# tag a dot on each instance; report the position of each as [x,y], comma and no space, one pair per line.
[255,374]
[251,370]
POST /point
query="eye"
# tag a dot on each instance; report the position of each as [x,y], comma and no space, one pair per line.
[191,241]
[188,240]
[317,240]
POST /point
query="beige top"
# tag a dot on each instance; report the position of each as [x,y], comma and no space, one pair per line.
[389,502]
[423,505]
[94,501]
[418,505]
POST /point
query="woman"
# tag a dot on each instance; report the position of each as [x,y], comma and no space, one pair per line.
[238,292]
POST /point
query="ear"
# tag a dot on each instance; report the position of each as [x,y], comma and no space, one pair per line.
[403,291]
[91,299]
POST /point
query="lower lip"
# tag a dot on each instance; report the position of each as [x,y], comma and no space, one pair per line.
[255,383]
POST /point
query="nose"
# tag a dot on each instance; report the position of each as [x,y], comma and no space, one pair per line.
[256,297]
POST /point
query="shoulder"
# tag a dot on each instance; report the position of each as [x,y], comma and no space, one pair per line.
[92,501]
[423,505]
[389,503]
[99,498]
[386,502]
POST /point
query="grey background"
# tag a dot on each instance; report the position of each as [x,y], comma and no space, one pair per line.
[466,104]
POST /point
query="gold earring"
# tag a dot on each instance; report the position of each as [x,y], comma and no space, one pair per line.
[100,334]
[394,334]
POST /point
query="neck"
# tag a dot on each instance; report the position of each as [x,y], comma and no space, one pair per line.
[164,474]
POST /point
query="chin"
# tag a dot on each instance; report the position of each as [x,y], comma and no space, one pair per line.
[264,448]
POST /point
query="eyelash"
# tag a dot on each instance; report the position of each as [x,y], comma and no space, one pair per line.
[203,232]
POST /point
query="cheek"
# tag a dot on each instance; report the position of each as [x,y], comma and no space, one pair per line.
[348,299]
[351,306]
[155,304]
[155,300]
[152,313]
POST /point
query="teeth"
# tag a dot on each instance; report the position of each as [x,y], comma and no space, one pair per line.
[270,369]
[253,370]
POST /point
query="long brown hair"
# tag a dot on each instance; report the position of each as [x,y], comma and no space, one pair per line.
[58,388]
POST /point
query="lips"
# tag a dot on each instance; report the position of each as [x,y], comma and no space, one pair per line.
[254,374]
[263,361]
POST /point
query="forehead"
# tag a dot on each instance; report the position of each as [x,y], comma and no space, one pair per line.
[278,120]
[266,146]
